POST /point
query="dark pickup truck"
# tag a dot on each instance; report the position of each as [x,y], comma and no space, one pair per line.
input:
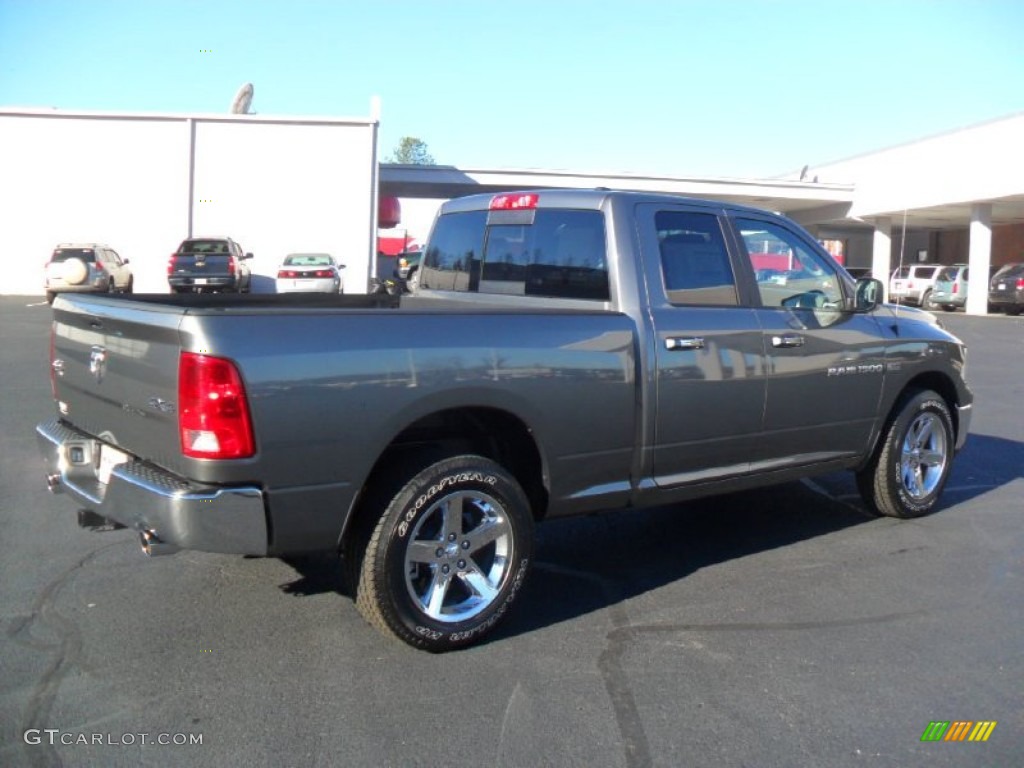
[209,264]
[567,352]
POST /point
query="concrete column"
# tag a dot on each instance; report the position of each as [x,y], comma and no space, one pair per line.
[881,252]
[979,258]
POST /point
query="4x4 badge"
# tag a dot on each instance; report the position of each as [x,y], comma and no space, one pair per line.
[98,362]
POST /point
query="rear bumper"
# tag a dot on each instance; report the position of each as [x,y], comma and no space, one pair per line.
[1006,299]
[203,282]
[145,498]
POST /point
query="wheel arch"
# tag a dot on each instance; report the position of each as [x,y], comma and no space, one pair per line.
[936,381]
[491,432]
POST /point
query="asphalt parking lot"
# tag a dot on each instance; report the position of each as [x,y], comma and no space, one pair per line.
[783,627]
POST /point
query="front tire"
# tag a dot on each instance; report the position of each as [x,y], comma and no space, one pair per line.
[907,475]
[447,556]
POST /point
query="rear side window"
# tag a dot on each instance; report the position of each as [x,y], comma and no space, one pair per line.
[561,254]
[694,260]
[926,273]
[948,275]
[455,250]
[63,254]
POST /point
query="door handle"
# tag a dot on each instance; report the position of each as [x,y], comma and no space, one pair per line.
[788,340]
[685,342]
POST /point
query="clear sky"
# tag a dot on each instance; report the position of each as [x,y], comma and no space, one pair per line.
[736,88]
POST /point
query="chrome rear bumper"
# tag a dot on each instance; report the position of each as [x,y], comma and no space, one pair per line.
[179,513]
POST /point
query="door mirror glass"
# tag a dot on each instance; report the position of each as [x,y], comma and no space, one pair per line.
[868,294]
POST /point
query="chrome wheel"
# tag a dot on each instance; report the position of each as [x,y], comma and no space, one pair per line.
[924,456]
[458,555]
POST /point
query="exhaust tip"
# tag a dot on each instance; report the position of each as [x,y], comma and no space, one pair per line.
[152,546]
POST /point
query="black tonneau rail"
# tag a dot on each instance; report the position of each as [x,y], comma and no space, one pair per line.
[253,300]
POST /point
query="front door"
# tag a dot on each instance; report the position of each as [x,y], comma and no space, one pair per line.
[825,362]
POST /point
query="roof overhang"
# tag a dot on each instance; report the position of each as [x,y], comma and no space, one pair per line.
[446,181]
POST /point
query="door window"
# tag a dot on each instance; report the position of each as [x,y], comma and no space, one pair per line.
[694,261]
[788,272]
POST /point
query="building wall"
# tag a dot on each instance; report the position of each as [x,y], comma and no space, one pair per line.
[137,183]
[1008,244]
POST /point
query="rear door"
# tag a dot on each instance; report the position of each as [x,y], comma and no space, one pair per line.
[825,363]
[709,356]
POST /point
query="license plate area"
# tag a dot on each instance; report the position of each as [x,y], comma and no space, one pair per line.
[200,281]
[109,458]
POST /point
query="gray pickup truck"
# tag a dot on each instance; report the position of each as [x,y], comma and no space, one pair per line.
[567,352]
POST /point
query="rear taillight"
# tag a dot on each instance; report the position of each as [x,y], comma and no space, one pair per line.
[99,266]
[956,288]
[213,413]
[231,266]
[1020,283]
[323,273]
[287,273]
[171,263]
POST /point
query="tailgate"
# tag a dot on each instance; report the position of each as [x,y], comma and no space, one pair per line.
[200,266]
[116,374]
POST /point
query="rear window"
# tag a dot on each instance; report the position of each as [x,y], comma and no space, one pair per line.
[204,246]
[561,254]
[63,254]
[926,273]
[948,275]
[1010,270]
[551,253]
[308,260]
[455,250]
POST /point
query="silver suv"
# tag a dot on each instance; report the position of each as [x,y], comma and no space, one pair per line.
[92,267]
[913,284]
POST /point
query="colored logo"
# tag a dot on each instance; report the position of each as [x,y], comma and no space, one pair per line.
[958,730]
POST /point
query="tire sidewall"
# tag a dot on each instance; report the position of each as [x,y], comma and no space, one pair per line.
[925,402]
[411,504]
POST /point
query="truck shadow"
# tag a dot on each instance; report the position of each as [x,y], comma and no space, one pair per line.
[582,565]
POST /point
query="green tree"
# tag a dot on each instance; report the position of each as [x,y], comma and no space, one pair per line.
[411,151]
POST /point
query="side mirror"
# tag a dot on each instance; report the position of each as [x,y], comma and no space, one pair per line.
[125,261]
[868,294]
[247,256]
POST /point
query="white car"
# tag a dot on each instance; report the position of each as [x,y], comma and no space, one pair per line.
[309,273]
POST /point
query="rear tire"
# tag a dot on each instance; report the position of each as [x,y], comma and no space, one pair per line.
[50,296]
[948,308]
[911,466]
[1014,311]
[448,554]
